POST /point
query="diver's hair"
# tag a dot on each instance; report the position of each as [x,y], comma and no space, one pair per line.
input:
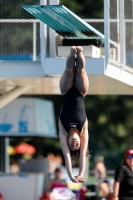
[76,154]
[57,170]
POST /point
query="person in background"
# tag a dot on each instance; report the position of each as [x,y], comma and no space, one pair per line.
[100,169]
[100,174]
[14,168]
[57,181]
[123,181]
[57,188]
[73,123]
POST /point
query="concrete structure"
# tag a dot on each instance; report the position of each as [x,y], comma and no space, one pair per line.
[107,76]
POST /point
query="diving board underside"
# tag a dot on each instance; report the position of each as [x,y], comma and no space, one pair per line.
[65,22]
[46,81]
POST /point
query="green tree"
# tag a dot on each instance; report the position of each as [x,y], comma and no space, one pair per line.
[13,9]
[110,126]
[85,9]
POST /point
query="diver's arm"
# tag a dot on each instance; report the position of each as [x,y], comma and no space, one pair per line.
[66,152]
[83,150]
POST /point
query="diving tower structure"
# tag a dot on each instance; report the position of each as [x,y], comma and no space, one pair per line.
[105,53]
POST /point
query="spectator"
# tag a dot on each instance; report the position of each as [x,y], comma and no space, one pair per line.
[100,173]
[57,181]
[123,183]
[57,188]
[100,169]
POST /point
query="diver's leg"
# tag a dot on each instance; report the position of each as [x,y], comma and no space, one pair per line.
[67,78]
[81,78]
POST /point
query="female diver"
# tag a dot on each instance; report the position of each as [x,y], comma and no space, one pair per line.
[73,123]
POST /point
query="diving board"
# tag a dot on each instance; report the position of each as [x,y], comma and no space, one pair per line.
[65,22]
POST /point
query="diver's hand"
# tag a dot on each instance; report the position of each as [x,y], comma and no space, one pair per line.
[73,179]
[79,179]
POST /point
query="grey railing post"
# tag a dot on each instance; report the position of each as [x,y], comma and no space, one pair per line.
[106,31]
[43,39]
[52,41]
[122,33]
[34,41]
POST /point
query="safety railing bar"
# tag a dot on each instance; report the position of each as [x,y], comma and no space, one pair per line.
[102,20]
[37,21]
[34,41]
[19,20]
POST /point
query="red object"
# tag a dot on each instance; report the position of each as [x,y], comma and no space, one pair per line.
[111,197]
[25,148]
[1,197]
[129,152]
[45,196]
[58,185]
[83,191]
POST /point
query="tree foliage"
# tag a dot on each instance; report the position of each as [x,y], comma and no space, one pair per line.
[13,9]
[85,9]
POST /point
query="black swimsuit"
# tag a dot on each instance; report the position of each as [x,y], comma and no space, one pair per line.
[73,110]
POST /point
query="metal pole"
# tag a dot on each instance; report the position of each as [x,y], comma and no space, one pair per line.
[7,161]
[118,32]
[4,157]
[132,33]
[106,31]
[122,34]
[52,41]
[34,41]
[43,39]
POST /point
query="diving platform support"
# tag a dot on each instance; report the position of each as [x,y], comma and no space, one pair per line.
[42,77]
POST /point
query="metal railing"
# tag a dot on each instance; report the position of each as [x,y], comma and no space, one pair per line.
[35,37]
[34,41]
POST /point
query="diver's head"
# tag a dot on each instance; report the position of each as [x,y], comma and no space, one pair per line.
[74,139]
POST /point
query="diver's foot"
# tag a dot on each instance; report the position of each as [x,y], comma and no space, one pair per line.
[80,60]
[70,63]
[79,50]
[73,51]
[73,48]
